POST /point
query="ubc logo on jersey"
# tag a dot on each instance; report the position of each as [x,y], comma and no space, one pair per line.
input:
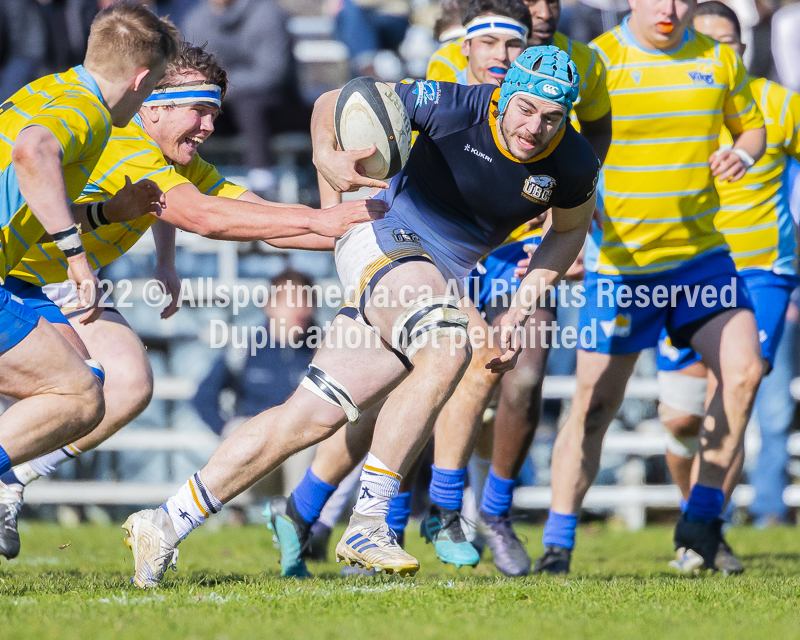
[426,91]
[619,327]
[539,188]
[704,74]
[404,235]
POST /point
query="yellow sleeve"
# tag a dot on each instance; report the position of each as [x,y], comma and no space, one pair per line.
[791,126]
[210,181]
[594,102]
[446,63]
[741,111]
[80,126]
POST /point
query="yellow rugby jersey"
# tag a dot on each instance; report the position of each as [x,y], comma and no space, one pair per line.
[754,215]
[668,110]
[71,107]
[130,152]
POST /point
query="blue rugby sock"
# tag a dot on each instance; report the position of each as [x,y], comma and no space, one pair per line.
[497,495]
[5,461]
[705,503]
[447,487]
[310,496]
[9,477]
[399,512]
[559,530]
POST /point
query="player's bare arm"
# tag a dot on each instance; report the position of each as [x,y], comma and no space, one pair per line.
[225,219]
[339,168]
[598,133]
[551,260]
[732,164]
[37,158]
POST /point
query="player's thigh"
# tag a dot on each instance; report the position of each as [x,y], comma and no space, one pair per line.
[111,341]
[43,362]
[729,344]
[356,361]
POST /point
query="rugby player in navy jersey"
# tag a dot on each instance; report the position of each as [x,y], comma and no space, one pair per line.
[487,160]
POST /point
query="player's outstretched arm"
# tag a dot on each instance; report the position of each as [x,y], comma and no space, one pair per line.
[732,164]
[165,271]
[226,219]
[37,157]
[551,260]
[339,168]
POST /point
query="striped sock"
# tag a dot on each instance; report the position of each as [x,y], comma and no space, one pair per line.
[379,485]
[191,506]
[43,466]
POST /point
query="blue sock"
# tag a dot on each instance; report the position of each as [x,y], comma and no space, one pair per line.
[9,477]
[5,461]
[497,494]
[447,487]
[310,496]
[684,504]
[705,503]
[559,530]
[399,512]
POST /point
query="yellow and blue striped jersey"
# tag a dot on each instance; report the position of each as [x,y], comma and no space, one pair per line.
[668,110]
[133,153]
[754,215]
[71,107]
[448,64]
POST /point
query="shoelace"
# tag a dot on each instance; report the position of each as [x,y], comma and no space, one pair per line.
[457,535]
[172,563]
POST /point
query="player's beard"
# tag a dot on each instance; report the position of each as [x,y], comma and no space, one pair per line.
[533,153]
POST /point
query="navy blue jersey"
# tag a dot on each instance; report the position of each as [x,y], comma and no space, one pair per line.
[460,171]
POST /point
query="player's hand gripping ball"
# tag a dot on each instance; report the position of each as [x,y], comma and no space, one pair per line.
[368,113]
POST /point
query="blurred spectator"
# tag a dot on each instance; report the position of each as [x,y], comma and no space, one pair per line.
[755,16]
[449,25]
[786,45]
[269,377]
[23,44]
[590,18]
[250,39]
[368,27]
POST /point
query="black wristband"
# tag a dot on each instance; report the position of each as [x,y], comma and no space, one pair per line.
[66,233]
[68,253]
[95,215]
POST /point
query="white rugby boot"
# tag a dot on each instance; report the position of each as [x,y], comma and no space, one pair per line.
[369,543]
[152,539]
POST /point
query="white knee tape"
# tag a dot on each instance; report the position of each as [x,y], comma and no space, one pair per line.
[321,384]
[683,447]
[682,392]
[97,369]
[429,317]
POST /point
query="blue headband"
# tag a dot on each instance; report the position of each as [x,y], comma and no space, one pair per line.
[495,25]
[183,96]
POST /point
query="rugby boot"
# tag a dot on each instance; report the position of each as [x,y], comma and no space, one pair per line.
[442,528]
[292,534]
[153,540]
[696,544]
[10,504]
[369,543]
[555,560]
[318,544]
[509,556]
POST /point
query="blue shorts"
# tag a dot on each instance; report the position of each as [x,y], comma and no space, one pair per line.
[34,298]
[16,320]
[770,295]
[497,284]
[626,313]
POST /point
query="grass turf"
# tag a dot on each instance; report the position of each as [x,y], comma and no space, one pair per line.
[74,583]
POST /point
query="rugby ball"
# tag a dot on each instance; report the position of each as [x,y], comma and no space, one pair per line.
[369,113]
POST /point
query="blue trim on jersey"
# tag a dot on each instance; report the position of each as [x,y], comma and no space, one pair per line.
[11,199]
[34,298]
[88,81]
[787,245]
[16,320]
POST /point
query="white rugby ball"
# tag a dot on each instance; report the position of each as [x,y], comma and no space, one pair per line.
[369,113]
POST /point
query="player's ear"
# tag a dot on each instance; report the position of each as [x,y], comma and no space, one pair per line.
[152,114]
[465,48]
[138,79]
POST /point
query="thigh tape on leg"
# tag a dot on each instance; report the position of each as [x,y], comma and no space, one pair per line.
[683,447]
[428,317]
[97,369]
[682,392]
[320,383]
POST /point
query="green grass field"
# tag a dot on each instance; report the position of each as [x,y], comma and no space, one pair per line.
[74,583]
